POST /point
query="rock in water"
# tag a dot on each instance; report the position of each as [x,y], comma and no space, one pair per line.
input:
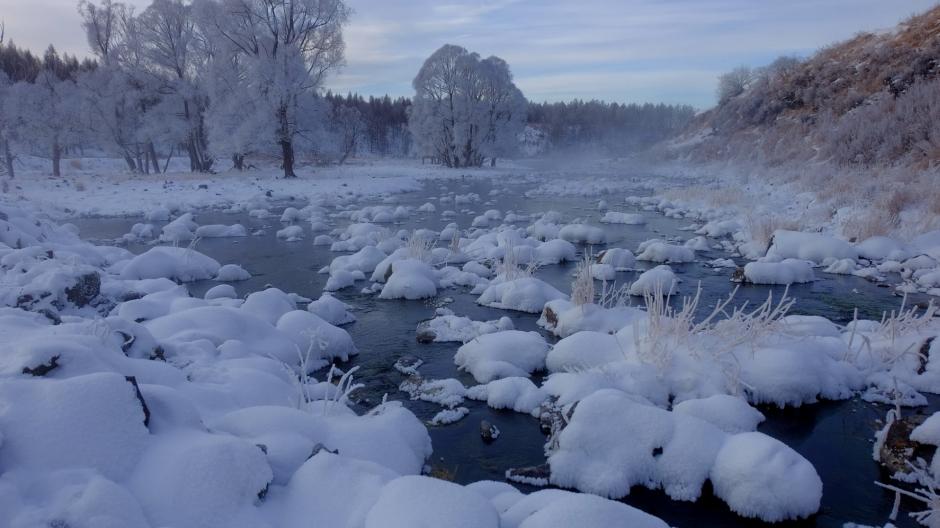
[424,333]
[532,475]
[488,431]
[898,450]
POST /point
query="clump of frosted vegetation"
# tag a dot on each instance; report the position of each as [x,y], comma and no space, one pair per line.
[582,289]
[667,329]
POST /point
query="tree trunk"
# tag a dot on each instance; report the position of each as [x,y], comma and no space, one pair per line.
[238,161]
[168,158]
[287,145]
[56,159]
[287,152]
[8,159]
[193,162]
[141,166]
[131,165]
[153,158]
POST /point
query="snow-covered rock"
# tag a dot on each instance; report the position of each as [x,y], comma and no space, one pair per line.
[619,258]
[451,328]
[613,442]
[182,264]
[526,294]
[787,271]
[502,355]
[582,234]
[332,310]
[815,247]
[660,279]
[613,217]
[410,279]
[232,273]
[667,253]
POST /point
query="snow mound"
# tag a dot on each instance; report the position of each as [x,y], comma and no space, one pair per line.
[613,443]
[232,273]
[182,264]
[221,231]
[660,279]
[332,310]
[613,217]
[668,253]
[788,271]
[516,393]
[410,279]
[92,421]
[451,328]
[728,413]
[564,509]
[503,354]
[582,234]
[198,479]
[761,477]
[441,503]
[619,258]
[526,294]
[816,247]
[564,318]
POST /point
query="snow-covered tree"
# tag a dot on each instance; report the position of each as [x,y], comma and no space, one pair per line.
[45,115]
[174,56]
[111,96]
[6,152]
[285,49]
[465,109]
[504,110]
[734,83]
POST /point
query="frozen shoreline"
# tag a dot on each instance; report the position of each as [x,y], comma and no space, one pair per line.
[102,188]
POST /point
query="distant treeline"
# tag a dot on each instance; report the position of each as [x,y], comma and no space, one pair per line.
[20,64]
[613,127]
[385,121]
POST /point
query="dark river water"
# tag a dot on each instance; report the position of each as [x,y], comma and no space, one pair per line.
[836,437]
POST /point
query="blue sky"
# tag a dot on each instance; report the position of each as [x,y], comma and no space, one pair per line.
[627,50]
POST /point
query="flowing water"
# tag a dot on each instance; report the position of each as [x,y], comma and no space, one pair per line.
[836,437]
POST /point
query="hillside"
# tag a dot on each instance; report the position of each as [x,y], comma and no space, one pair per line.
[871,101]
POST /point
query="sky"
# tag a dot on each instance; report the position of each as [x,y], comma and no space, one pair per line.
[668,51]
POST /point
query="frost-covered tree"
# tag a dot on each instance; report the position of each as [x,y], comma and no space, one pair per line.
[285,49]
[45,115]
[173,55]
[734,83]
[112,96]
[465,109]
[504,110]
[6,152]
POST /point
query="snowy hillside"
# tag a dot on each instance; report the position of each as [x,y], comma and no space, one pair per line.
[873,100]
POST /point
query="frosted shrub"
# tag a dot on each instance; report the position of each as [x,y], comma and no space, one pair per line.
[720,335]
[582,288]
[761,227]
[420,248]
[509,268]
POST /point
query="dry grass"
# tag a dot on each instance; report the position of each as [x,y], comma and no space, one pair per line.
[441,472]
[582,288]
[760,227]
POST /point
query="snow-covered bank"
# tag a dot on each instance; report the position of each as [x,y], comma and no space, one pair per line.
[857,223]
[101,188]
